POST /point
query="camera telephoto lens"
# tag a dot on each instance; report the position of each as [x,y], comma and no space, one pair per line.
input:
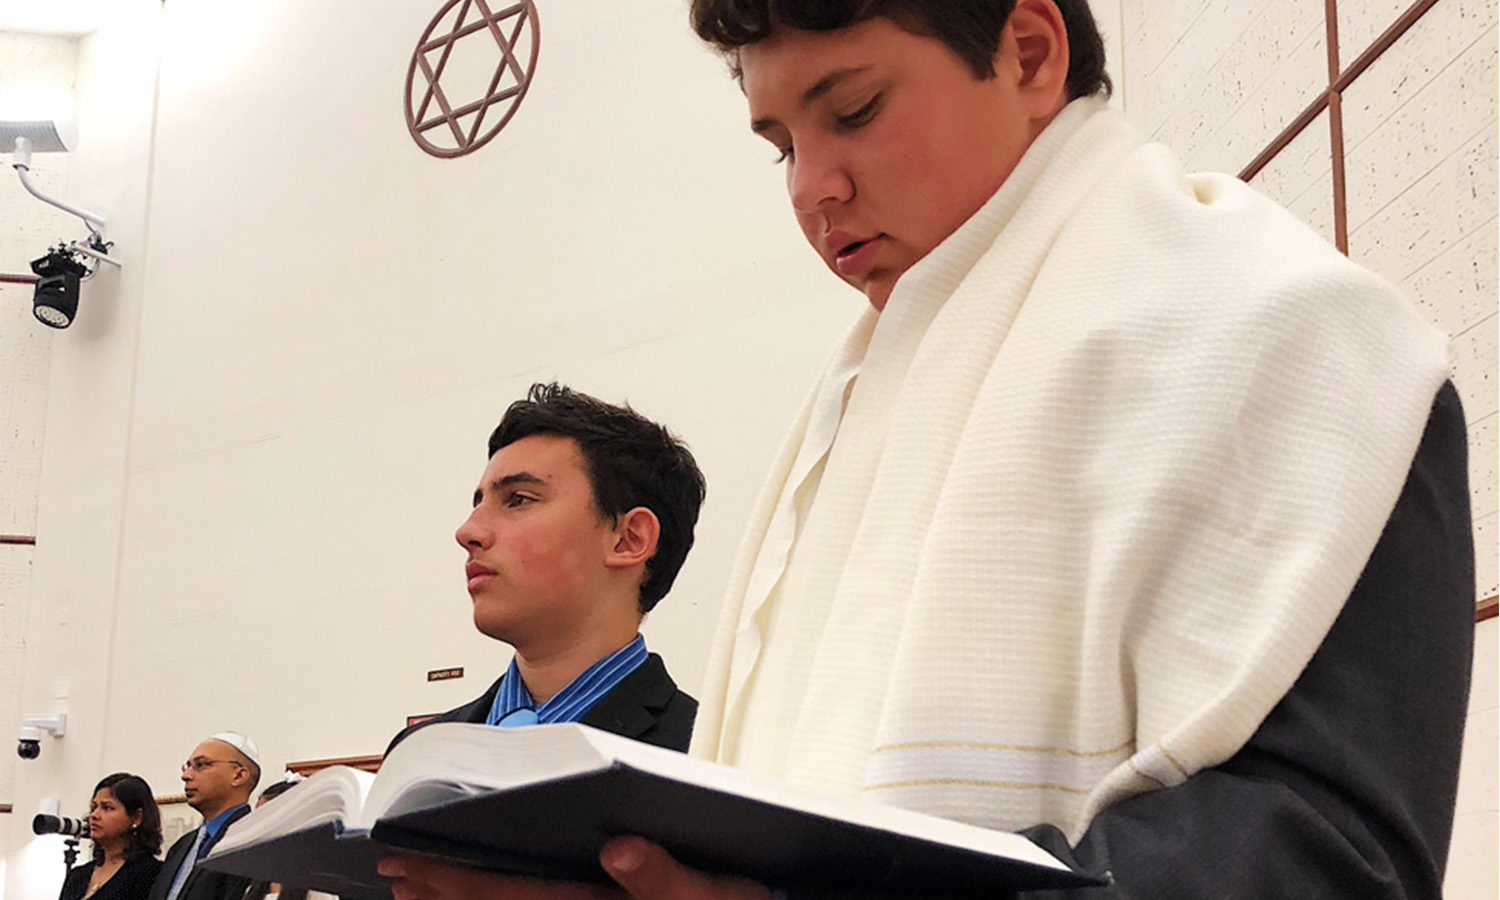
[42,823]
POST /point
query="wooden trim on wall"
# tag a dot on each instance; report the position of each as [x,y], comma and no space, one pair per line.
[1288,134]
[25,540]
[5,808]
[1336,158]
[169,799]
[1336,129]
[308,767]
[1382,43]
[1339,81]
[8,278]
[1485,609]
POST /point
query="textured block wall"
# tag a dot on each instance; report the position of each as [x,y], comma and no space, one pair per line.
[27,228]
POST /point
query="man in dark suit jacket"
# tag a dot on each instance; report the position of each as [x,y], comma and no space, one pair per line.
[218,779]
[581,521]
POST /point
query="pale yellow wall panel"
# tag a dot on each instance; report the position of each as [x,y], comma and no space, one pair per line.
[1428,49]
[1131,14]
[30,63]
[15,590]
[1272,66]
[1457,289]
[1476,791]
[25,351]
[1362,21]
[1160,26]
[1301,164]
[1315,207]
[1438,124]
[1486,566]
[1474,364]
[1453,203]
[1471,859]
[1394,135]
[1483,452]
[1288,87]
[1181,79]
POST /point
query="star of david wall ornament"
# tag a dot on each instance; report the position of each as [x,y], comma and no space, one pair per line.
[469,73]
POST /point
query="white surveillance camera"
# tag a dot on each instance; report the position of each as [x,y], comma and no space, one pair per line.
[29,740]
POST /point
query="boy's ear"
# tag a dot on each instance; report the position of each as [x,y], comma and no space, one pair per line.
[635,536]
[1036,42]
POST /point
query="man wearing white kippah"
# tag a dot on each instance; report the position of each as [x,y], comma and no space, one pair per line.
[218,779]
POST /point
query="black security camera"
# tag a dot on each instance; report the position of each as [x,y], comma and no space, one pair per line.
[29,749]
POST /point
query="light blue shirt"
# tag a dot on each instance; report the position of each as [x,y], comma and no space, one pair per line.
[216,824]
[514,707]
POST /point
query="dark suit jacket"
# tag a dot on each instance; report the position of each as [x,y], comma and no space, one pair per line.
[647,706]
[201,884]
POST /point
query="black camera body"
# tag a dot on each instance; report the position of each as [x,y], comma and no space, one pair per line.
[29,749]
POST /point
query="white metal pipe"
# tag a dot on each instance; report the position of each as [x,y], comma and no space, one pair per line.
[22,163]
[86,250]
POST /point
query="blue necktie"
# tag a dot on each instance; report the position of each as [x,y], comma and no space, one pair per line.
[519,717]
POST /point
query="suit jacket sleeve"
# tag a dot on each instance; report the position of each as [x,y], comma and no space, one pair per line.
[168,871]
[201,884]
[1347,789]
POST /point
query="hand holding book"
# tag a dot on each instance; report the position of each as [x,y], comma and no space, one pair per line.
[642,869]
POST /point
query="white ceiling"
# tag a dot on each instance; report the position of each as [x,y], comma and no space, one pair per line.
[55,16]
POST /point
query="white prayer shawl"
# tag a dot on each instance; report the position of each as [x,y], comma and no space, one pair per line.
[1105,471]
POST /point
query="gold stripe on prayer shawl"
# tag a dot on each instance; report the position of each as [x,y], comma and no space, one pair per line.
[975,782]
[1007,748]
[1172,759]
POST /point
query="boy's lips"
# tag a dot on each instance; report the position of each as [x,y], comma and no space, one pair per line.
[477,574]
[855,258]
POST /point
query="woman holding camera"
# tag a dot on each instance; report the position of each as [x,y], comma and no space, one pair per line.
[125,828]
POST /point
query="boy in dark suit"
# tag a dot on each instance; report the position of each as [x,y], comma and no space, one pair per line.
[581,521]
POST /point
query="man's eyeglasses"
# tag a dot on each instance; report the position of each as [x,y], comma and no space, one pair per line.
[199,763]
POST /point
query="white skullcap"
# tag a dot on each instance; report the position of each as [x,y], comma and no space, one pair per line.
[240,742]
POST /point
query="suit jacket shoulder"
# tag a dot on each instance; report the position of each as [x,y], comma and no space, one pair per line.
[647,706]
[169,866]
[201,884]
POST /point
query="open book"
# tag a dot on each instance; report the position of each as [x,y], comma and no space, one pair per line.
[543,800]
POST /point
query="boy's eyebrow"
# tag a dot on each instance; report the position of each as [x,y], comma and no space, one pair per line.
[516,478]
[820,87]
[500,484]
